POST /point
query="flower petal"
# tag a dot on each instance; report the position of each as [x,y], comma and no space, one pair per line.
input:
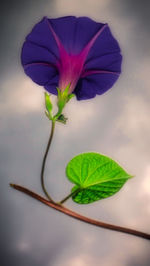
[33,53]
[75,33]
[105,53]
[84,90]
[43,74]
[93,84]
[40,45]
[51,86]
[110,62]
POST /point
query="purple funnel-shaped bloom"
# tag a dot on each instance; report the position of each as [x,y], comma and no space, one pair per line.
[72,50]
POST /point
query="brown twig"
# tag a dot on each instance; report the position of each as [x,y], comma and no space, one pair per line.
[78,216]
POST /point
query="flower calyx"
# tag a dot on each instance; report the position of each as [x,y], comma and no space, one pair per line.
[62,98]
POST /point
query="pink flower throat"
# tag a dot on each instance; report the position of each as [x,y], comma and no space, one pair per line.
[71,67]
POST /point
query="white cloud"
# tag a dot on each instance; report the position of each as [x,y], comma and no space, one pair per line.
[77,261]
[86,7]
[146,182]
[134,119]
[21,96]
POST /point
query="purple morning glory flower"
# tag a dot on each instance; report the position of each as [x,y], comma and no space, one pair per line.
[72,50]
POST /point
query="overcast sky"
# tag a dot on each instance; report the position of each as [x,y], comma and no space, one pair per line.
[117,124]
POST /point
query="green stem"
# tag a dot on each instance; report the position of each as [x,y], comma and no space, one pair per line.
[44,161]
[69,196]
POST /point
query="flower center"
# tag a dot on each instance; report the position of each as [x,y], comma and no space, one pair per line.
[70,68]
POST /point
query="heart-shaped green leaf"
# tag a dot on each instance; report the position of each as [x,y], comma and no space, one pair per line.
[95,177]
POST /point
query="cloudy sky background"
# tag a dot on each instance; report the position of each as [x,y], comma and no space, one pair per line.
[117,124]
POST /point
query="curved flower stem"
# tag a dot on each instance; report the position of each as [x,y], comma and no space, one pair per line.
[44,161]
[79,216]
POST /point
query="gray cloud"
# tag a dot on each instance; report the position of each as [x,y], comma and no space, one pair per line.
[135,9]
[137,12]
[17,18]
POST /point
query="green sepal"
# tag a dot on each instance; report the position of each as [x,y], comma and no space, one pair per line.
[48,103]
[70,96]
[63,98]
[58,91]
[65,92]
[49,116]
